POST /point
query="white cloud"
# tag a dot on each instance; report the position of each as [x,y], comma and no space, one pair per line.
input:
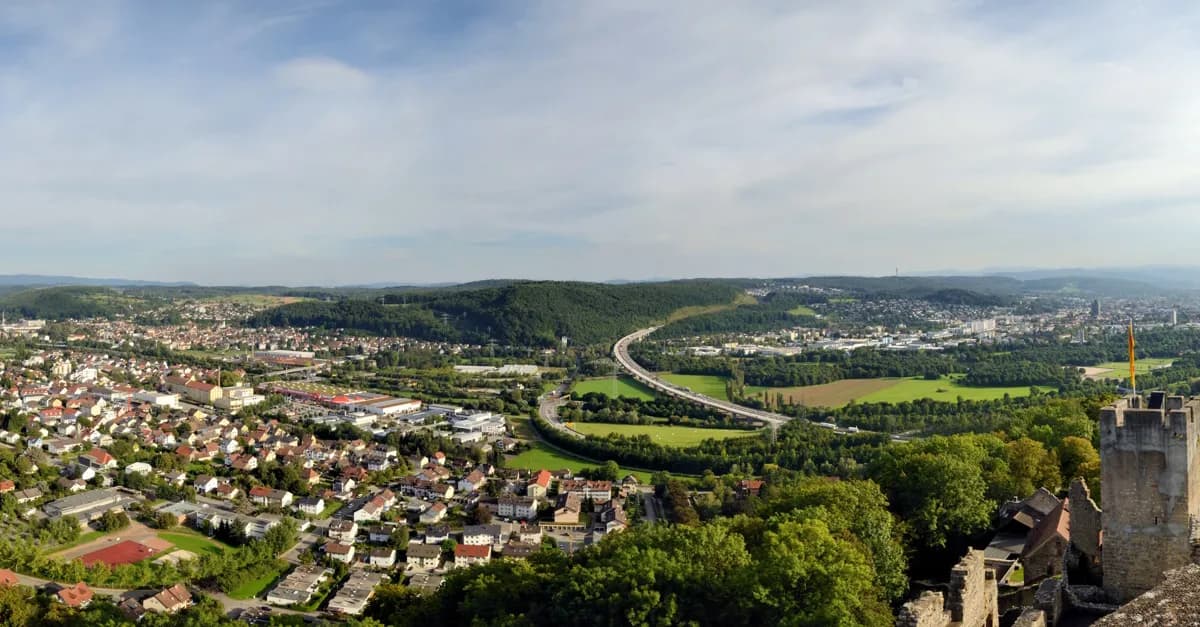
[322,74]
[657,139]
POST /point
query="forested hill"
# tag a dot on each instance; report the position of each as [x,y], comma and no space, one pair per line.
[533,313]
[58,303]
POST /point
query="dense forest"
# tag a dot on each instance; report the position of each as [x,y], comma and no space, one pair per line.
[60,303]
[524,314]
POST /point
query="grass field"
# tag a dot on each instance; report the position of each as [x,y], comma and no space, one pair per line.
[623,386]
[255,587]
[1144,365]
[661,434]
[840,393]
[708,385]
[330,509]
[801,310]
[193,542]
[543,457]
[699,310]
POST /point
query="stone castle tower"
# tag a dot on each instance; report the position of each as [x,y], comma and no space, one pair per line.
[1150,490]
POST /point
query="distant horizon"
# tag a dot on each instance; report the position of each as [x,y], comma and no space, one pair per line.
[52,280]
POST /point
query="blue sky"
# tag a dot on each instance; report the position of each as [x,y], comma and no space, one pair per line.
[331,142]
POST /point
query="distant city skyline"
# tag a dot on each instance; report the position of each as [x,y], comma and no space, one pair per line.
[336,143]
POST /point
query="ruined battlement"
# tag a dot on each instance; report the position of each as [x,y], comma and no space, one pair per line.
[1136,421]
[971,600]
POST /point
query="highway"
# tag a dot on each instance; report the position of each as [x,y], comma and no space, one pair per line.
[621,353]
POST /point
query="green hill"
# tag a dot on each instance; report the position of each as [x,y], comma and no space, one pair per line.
[529,313]
[57,303]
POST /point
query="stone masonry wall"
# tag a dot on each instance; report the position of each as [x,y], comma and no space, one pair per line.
[928,610]
[971,602]
[1150,473]
[1085,520]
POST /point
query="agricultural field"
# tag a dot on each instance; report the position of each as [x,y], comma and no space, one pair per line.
[623,385]
[833,394]
[708,385]
[890,390]
[801,310]
[258,300]
[661,434]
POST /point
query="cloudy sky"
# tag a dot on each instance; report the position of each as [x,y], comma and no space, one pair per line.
[330,143]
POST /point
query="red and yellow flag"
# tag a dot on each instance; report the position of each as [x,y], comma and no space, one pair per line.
[1132,360]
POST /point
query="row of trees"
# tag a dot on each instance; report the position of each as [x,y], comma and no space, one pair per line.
[596,407]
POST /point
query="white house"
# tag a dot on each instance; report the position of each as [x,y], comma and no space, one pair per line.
[384,557]
[340,552]
[434,514]
[205,484]
[311,505]
[519,507]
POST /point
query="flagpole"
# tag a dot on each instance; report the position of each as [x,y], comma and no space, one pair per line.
[1132,360]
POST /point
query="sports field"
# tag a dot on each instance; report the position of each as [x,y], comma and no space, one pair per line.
[1144,365]
[801,310]
[840,393]
[623,385]
[193,542]
[124,552]
[661,434]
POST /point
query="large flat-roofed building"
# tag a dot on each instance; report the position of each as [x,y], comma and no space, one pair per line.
[86,505]
[352,599]
[286,357]
[389,406]
[299,585]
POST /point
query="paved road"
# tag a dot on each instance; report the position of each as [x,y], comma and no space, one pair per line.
[117,594]
[548,409]
[651,506]
[621,353]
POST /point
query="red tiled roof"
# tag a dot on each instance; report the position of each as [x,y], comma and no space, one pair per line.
[174,597]
[7,577]
[100,455]
[473,550]
[77,595]
[1056,523]
[542,478]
